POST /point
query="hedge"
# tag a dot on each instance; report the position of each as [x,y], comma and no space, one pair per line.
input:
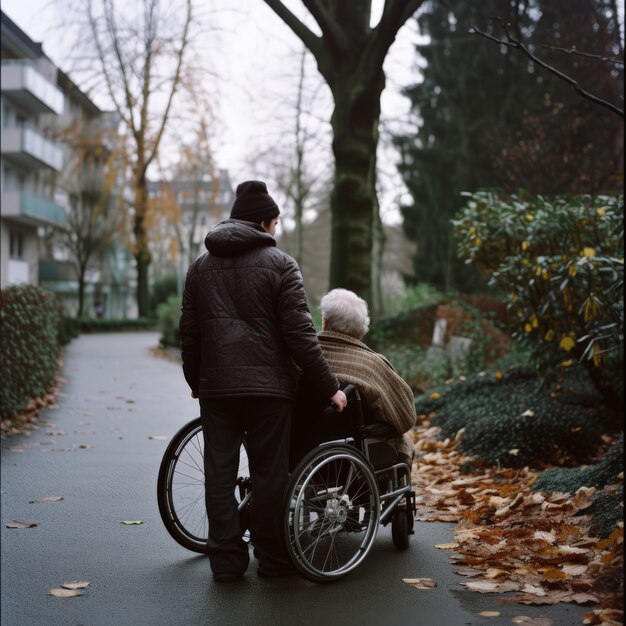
[30,324]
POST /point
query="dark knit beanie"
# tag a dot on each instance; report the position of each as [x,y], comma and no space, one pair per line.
[253,203]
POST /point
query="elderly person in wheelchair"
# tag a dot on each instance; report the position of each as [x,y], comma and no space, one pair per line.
[350,472]
[385,395]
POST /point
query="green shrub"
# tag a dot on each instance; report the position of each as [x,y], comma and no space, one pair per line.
[561,261]
[169,317]
[405,339]
[68,328]
[510,419]
[103,325]
[29,350]
[161,290]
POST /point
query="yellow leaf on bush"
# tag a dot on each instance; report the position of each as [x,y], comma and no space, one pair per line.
[567,343]
[434,396]
[588,251]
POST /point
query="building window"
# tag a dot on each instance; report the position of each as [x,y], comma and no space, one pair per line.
[16,247]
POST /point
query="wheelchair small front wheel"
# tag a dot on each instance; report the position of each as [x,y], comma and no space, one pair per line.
[400,529]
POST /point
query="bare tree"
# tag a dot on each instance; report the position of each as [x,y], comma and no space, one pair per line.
[187,192]
[350,55]
[95,213]
[138,55]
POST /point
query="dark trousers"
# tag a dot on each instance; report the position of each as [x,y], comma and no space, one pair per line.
[266,423]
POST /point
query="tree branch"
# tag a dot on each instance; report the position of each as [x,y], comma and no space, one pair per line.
[308,37]
[395,14]
[333,35]
[573,51]
[511,42]
[110,18]
[175,82]
[101,57]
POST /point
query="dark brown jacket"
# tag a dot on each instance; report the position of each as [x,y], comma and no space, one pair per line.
[245,328]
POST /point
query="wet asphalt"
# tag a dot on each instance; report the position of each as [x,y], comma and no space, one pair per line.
[100,451]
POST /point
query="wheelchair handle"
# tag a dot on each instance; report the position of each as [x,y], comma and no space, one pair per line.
[351,392]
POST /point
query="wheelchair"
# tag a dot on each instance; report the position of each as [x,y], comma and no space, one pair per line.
[338,495]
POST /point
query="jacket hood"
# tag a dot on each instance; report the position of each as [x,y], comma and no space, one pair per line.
[234,237]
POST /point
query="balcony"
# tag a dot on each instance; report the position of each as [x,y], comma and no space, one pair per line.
[30,209]
[28,88]
[29,149]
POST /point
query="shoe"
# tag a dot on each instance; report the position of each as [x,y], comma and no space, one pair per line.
[227,577]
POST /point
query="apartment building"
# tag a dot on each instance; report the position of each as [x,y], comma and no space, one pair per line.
[57,149]
[84,263]
[30,158]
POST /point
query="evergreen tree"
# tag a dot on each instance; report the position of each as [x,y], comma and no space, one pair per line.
[488,117]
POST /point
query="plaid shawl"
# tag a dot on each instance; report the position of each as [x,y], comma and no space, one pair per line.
[388,396]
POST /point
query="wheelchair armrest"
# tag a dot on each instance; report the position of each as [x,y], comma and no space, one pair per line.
[378,430]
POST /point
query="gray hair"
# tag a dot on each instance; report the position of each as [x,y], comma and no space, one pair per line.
[345,312]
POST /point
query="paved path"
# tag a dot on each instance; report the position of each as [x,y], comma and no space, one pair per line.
[97,453]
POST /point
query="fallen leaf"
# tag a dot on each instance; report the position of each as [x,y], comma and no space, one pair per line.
[534,590]
[420,583]
[75,584]
[574,569]
[131,522]
[47,499]
[446,546]
[483,586]
[468,571]
[583,498]
[494,572]
[59,592]
[571,550]
[19,524]
[489,613]
[158,437]
[544,536]
[532,621]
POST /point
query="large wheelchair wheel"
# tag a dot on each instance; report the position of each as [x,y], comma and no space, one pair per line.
[333,512]
[180,488]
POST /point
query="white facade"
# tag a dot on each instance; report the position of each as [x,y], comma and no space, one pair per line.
[29,157]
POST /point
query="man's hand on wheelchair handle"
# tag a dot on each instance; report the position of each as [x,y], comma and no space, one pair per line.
[339,400]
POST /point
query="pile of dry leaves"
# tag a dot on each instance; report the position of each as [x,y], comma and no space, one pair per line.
[28,419]
[511,539]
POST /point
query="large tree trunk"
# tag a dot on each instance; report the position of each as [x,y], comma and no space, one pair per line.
[142,249]
[350,56]
[81,292]
[354,203]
